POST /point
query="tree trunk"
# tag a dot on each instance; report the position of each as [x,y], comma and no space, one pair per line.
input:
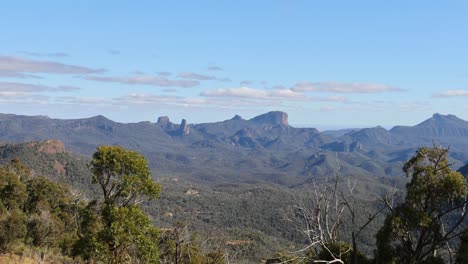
[354,252]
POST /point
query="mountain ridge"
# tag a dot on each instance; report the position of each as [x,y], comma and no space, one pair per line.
[263,148]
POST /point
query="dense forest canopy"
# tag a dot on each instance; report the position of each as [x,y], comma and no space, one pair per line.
[107,223]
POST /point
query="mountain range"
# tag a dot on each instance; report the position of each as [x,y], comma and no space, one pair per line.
[262,149]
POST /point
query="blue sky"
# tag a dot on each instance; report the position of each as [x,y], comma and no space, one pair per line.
[326,63]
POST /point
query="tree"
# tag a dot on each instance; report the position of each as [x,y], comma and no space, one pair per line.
[13,196]
[430,216]
[329,215]
[115,229]
[123,176]
[180,245]
[34,211]
[462,256]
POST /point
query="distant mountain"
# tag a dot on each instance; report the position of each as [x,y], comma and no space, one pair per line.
[438,126]
[340,132]
[272,118]
[264,148]
[372,136]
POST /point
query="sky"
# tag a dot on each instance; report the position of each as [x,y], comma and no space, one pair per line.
[328,64]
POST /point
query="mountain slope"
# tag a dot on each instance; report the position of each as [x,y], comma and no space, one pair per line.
[262,149]
[49,158]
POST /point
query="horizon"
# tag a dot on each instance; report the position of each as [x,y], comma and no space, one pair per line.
[359,64]
[319,127]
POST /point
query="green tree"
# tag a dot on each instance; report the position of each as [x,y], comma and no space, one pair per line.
[13,196]
[123,176]
[115,229]
[33,210]
[50,210]
[431,214]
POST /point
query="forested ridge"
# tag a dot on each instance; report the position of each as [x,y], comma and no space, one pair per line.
[64,208]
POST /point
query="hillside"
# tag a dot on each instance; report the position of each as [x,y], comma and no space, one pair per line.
[49,158]
[237,212]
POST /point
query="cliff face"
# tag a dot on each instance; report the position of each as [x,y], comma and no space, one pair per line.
[184,128]
[272,118]
[50,146]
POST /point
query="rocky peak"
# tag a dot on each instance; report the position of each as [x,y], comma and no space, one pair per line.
[272,118]
[236,117]
[184,128]
[439,120]
[163,120]
[51,146]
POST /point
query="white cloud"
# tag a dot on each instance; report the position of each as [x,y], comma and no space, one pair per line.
[165,74]
[246,92]
[195,76]
[17,75]
[50,54]
[24,93]
[15,65]
[201,77]
[277,94]
[8,87]
[215,68]
[144,80]
[338,87]
[452,93]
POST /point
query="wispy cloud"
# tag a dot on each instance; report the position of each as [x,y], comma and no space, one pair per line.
[137,99]
[452,93]
[165,74]
[114,52]
[33,88]
[268,96]
[201,77]
[246,83]
[215,68]
[170,90]
[246,92]
[16,65]
[338,87]
[195,76]
[143,80]
[17,75]
[46,54]
[13,92]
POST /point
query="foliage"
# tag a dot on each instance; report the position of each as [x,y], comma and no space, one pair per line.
[33,210]
[179,245]
[115,229]
[123,175]
[431,213]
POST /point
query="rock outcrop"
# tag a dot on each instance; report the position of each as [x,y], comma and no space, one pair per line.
[272,118]
[184,128]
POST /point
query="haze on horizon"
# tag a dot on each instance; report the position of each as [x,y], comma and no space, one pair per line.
[328,65]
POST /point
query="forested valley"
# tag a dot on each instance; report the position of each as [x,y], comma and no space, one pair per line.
[235,191]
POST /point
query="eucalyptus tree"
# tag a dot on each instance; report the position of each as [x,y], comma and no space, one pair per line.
[431,215]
